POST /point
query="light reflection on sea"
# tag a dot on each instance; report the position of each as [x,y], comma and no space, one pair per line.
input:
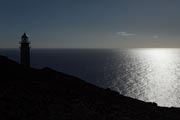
[149,75]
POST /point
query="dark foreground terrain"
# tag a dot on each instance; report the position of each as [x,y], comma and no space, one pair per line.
[32,94]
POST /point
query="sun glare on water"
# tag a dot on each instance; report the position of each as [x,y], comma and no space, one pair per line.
[159,53]
[159,76]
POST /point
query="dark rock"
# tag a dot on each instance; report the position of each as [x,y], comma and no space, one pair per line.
[33,94]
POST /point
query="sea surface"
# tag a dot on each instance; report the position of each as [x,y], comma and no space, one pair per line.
[151,75]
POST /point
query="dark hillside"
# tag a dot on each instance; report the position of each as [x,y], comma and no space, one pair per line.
[33,94]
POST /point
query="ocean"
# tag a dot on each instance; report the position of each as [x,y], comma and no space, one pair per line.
[151,75]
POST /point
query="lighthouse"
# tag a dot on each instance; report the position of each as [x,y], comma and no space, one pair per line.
[25,51]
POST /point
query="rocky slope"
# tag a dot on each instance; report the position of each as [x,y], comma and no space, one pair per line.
[45,94]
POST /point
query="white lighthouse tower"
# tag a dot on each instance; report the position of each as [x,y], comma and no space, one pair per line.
[25,51]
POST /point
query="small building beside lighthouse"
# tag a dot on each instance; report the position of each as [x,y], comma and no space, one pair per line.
[25,51]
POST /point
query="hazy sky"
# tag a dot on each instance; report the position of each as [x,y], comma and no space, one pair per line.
[91,23]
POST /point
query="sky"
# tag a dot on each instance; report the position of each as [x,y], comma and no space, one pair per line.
[91,23]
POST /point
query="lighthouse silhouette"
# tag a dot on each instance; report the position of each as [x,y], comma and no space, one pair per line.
[25,51]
